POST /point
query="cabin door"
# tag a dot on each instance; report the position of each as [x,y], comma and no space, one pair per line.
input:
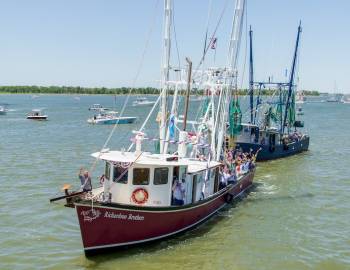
[272,142]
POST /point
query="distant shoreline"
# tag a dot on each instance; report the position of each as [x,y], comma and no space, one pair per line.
[76,90]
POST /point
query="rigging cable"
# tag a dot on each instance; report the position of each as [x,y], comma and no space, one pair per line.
[175,38]
[201,62]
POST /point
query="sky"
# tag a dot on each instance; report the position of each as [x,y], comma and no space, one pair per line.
[95,43]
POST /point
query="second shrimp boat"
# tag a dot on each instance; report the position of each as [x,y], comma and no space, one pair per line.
[135,202]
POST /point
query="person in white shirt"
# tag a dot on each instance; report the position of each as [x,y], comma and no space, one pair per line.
[178,192]
[225,175]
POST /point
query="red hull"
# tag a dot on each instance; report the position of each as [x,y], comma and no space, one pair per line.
[107,226]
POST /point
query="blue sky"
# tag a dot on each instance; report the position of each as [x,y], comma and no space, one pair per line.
[100,42]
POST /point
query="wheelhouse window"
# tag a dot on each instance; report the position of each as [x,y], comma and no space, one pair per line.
[107,170]
[120,175]
[141,176]
[160,176]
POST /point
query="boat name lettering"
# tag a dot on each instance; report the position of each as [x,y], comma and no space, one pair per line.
[123,216]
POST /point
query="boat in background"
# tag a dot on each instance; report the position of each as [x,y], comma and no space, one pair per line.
[345,99]
[142,101]
[333,98]
[273,126]
[110,118]
[300,97]
[97,107]
[3,110]
[36,114]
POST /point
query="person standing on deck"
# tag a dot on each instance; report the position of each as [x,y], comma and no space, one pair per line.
[178,192]
[85,180]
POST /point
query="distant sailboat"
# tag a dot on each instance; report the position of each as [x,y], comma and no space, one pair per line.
[334,97]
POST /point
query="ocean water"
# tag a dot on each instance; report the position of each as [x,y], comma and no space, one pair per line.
[296,216]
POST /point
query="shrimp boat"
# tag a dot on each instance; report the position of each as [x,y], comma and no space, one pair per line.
[142,101]
[110,118]
[37,114]
[134,203]
[274,126]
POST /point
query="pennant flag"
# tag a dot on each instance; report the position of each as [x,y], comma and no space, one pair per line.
[213,43]
[172,127]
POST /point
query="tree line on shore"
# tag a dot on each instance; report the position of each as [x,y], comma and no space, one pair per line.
[109,91]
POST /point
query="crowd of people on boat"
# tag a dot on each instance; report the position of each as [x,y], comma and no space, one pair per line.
[236,163]
[293,137]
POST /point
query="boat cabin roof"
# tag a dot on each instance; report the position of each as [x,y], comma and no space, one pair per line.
[146,158]
[36,110]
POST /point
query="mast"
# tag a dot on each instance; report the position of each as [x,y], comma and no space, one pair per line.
[230,76]
[251,75]
[189,74]
[165,71]
[236,32]
[291,80]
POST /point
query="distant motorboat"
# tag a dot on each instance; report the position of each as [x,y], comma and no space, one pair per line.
[3,111]
[36,114]
[97,107]
[110,118]
[345,99]
[143,102]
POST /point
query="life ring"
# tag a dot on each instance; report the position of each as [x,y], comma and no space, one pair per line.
[139,196]
[102,179]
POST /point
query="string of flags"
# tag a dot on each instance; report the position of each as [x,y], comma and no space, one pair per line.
[202,145]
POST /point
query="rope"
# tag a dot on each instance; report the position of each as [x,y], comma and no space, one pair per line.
[176,45]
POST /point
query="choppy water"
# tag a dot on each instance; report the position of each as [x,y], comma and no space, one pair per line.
[296,217]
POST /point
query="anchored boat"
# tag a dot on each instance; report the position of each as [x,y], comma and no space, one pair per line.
[345,99]
[110,118]
[37,114]
[142,101]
